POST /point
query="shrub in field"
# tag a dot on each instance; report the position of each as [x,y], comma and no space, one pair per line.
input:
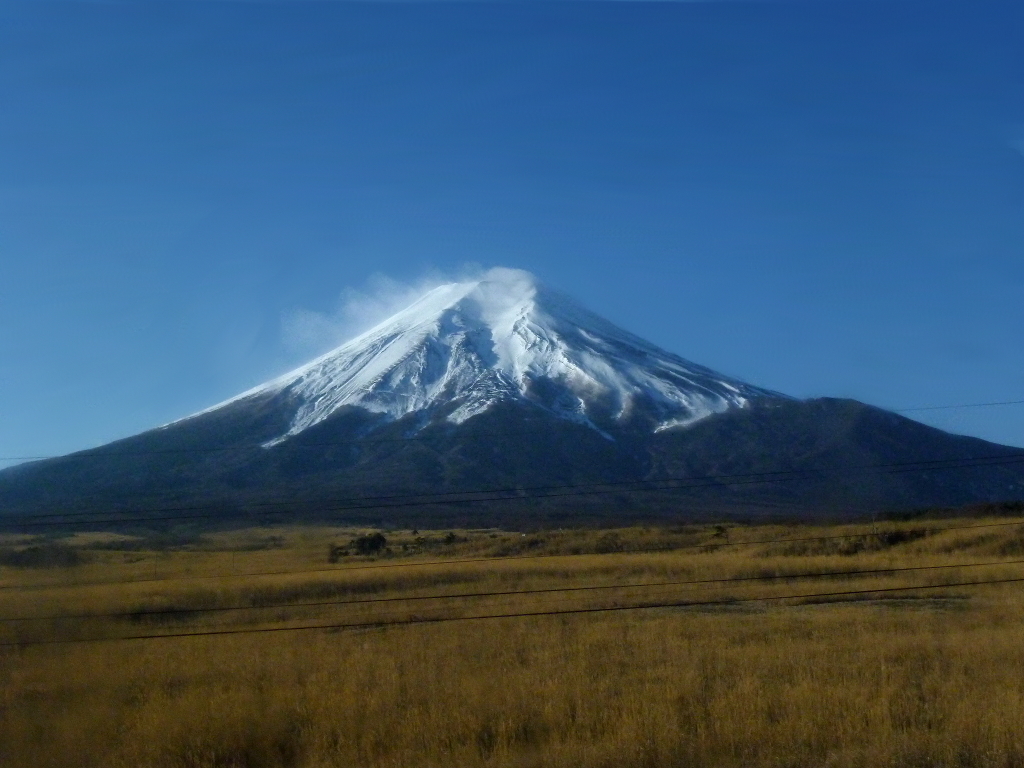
[369,544]
[42,556]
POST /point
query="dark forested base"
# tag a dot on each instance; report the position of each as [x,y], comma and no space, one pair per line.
[514,466]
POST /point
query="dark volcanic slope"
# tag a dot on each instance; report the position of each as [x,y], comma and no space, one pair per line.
[846,454]
[832,456]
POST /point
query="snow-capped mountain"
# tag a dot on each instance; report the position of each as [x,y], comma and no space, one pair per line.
[499,401]
[463,347]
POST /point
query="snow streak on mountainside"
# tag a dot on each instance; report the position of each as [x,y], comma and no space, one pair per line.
[464,346]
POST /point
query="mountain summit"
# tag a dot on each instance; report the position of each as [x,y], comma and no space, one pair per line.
[500,401]
[463,347]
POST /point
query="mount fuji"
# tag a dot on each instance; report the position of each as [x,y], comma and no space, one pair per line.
[498,399]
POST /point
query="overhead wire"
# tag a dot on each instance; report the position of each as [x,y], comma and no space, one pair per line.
[99,453]
[90,453]
[357,503]
[626,486]
[385,623]
[139,613]
[954,407]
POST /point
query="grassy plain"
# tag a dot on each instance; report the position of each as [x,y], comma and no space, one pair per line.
[721,673]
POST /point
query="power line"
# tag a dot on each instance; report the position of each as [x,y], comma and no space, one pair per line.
[954,407]
[95,453]
[443,496]
[517,494]
[380,624]
[713,545]
[438,497]
[505,593]
[99,453]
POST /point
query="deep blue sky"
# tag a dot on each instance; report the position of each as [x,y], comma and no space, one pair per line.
[825,198]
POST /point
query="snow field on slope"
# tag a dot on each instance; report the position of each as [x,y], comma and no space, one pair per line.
[472,344]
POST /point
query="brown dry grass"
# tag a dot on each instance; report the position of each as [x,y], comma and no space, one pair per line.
[917,678]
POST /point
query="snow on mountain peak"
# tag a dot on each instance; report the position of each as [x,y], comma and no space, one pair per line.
[462,347]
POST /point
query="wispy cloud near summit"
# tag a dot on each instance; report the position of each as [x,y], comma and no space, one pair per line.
[356,310]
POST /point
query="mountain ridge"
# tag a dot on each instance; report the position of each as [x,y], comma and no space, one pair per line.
[500,383]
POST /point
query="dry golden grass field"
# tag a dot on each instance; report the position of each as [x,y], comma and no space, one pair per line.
[252,648]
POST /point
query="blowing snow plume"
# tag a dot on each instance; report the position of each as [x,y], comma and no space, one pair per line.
[461,347]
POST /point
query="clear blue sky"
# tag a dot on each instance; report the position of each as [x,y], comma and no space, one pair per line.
[825,198]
